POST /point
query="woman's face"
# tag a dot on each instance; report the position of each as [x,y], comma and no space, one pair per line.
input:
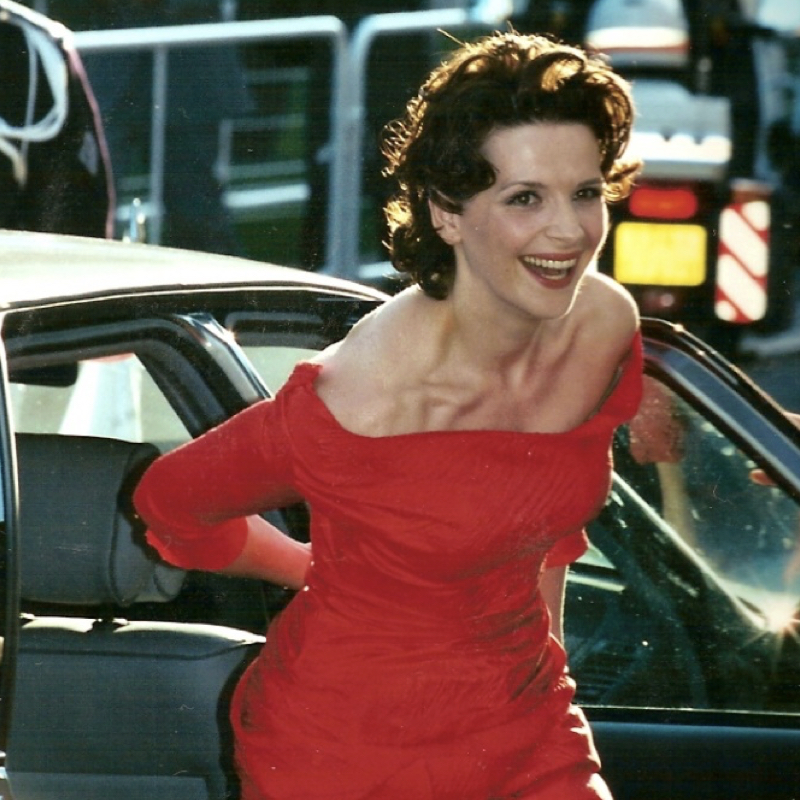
[527,240]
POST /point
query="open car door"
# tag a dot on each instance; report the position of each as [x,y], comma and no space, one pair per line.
[682,620]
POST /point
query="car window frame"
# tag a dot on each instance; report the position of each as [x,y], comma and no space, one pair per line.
[727,397]
[217,379]
[9,562]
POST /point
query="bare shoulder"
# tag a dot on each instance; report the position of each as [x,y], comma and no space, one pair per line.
[363,374]
[379,342]
[604,324]
[609,312]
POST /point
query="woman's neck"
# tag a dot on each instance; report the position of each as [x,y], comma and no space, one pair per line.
[479,336]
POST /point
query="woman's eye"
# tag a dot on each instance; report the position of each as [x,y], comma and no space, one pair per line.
[524,199]
[590,193]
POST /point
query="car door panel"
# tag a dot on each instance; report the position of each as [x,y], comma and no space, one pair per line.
[662,760]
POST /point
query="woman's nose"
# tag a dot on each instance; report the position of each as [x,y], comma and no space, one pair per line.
[565,223]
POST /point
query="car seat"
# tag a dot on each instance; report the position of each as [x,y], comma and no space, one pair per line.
[104,707]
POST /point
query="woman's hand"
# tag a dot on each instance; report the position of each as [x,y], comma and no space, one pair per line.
[553,584]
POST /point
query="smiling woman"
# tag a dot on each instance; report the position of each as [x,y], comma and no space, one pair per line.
[545,212]
[437,151]
[450,448]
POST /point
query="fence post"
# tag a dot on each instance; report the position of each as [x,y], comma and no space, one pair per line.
[158,132]
[345,208]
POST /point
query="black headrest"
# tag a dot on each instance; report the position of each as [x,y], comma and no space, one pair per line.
[80,542]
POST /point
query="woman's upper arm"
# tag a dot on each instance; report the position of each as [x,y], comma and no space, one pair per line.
[194,498]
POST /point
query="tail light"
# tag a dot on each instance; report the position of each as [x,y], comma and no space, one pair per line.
[663,202]
[662,238]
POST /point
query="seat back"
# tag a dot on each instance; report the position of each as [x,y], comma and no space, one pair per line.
[104,707]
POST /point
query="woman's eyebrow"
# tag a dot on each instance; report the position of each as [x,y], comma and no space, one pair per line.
[523,184]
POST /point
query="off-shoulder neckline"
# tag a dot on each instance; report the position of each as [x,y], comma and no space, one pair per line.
[306,372]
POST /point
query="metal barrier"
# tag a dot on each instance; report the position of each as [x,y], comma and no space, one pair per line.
[343,242]
[160,40]
[347,112]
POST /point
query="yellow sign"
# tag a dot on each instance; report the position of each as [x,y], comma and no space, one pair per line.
[659,254]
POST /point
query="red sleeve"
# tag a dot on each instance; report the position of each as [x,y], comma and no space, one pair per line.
[567,550]
[194,500]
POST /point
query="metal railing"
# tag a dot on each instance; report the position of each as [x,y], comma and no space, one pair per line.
[344,251]
[348,84]
[160,40]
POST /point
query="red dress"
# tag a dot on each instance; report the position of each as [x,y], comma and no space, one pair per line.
[416,664]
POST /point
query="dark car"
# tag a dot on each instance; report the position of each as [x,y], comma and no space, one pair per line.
[117,669]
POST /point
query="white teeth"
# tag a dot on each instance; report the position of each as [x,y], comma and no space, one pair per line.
[551,264]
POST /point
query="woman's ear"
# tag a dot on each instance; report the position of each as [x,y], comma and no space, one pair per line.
[445,223]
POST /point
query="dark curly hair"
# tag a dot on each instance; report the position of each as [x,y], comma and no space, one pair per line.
[499,81]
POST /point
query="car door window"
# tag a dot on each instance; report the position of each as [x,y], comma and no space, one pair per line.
[748,533]
[274,363]
[689,595]
[274,342]
[111,397]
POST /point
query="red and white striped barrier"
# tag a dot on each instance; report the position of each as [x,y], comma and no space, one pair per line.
[743,261]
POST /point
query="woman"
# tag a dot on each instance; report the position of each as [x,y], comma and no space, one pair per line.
[451,448]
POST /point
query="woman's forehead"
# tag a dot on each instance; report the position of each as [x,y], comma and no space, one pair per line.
[543,147]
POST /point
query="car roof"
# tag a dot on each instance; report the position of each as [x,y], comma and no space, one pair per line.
[41,269]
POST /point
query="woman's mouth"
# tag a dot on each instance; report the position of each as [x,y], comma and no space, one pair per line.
[551,270]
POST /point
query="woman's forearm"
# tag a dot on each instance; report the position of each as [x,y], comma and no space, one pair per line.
[552,585]
[271,555]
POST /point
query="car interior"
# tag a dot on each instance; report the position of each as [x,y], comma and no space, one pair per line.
[156,681]
[156,649]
